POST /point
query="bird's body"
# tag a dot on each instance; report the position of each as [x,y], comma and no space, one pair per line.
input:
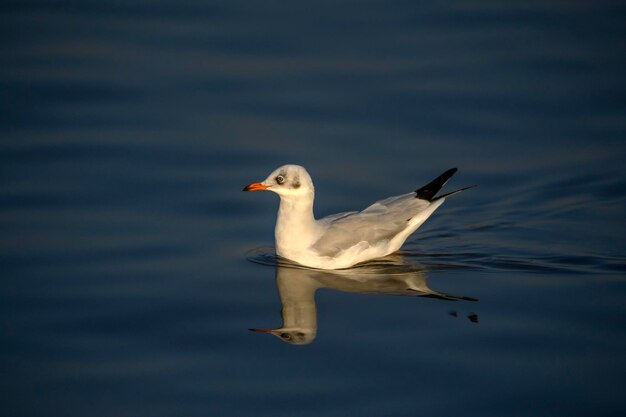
[345,239]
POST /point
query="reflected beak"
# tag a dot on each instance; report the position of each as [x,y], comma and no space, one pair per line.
[256,186]
[262,330]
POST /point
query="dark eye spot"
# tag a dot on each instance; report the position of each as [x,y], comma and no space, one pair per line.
[296,183]
[285,336]
[280,179]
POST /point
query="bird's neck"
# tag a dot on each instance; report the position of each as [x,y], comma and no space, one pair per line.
[295,224]
[297,296]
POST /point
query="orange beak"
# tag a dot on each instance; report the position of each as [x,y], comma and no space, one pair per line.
[262,330]
[256,186]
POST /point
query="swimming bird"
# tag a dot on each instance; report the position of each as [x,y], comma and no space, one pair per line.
[344,239]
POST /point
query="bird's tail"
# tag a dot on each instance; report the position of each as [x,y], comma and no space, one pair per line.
[428,191]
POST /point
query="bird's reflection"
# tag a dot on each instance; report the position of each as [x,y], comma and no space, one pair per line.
[297,286]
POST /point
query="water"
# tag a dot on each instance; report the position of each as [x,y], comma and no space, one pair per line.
[133,265]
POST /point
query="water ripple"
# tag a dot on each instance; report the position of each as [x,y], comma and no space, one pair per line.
[406,260]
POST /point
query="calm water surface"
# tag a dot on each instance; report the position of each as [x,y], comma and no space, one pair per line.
[133,265]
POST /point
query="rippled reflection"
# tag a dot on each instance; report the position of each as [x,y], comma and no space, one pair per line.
[297,287]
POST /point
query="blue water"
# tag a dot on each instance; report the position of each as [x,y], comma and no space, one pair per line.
[132,265]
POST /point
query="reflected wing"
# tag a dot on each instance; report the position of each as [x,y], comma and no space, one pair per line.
[381,221]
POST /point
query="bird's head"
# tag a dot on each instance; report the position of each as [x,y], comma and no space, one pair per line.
[288,180]
[294,336]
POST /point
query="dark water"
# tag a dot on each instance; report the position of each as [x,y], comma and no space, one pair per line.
[129,128]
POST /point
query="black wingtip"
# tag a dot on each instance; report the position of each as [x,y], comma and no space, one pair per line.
[428,191]
[451,193]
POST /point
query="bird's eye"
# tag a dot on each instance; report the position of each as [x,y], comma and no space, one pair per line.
[285,336]
[280,179]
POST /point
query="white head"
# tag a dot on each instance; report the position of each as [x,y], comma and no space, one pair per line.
[294,336]
[288,180]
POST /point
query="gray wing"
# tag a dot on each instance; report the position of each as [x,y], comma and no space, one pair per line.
[381,221]
[333,217]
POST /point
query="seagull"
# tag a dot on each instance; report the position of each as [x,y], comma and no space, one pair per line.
[344,239]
